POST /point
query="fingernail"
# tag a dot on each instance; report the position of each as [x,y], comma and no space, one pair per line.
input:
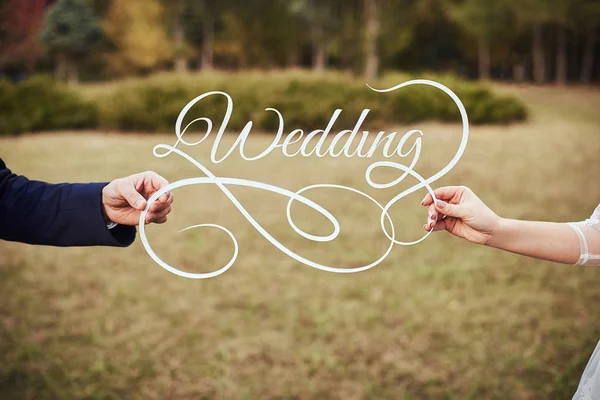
[441,204]
[139,204]
[432,216]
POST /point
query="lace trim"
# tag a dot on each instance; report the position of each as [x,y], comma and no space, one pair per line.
[594,220]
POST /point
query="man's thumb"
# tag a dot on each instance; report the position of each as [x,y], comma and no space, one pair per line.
[451,210]
[132,196]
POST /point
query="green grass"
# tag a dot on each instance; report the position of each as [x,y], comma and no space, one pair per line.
[440,320]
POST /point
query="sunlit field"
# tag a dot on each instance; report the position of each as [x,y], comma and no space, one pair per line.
[443,319]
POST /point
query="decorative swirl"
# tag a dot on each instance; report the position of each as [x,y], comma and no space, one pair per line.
[223,182]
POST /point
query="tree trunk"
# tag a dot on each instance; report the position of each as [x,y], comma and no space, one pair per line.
[72,71]
[60,72]
[319,56]
[349,55]
[539,64]
[484,57]
[518,72]
[292,59]
[319,53]
[180,61]
[208,31]
[561,56]
[372,34]
[587,65]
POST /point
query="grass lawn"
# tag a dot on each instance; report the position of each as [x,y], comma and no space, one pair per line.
[440,320]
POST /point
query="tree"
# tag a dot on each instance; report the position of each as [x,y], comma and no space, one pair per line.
[399,19]
[586,15]
[70,30]
[534,15]
[208,36]
[21,22]
[372,21]
[199,20]
[175,15]
[350,33]
[179,36]
[137,32]
[484,20]
[323,18]
[558,12]
[261,33]
[561,55]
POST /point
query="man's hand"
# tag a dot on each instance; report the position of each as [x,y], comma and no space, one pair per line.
[124,199]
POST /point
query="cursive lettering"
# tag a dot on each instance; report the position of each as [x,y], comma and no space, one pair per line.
[350,143]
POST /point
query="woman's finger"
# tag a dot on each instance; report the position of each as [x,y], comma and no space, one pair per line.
[437,226]
[441,224]
[443,193]
[432,213]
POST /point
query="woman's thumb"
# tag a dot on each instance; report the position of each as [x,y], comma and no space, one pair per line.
[451,210]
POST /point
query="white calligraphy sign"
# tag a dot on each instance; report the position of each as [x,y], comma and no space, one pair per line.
[344,138]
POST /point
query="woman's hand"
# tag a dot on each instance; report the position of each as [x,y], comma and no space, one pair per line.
[459,211]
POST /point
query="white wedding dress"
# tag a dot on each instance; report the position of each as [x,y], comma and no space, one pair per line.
[588,232]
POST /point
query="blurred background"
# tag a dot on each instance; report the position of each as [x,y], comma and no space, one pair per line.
[106,79]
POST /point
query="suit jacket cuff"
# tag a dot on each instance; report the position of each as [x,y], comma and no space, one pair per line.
[89,196]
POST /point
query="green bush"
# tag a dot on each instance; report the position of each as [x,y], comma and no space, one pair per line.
[38,104]
[306,101]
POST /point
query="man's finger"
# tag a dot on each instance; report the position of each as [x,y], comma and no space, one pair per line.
[157,216]
[127,189]
[157,205]
[166,198]
[158,220]
[157,181]
[150,183]
[162,213]
[153,183]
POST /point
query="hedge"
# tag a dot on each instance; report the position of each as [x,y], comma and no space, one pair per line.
[38,103]
[305,100]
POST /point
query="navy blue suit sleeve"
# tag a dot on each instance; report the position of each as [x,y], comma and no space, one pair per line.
[55,214]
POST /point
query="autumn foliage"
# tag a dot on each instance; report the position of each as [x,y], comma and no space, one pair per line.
[21,23]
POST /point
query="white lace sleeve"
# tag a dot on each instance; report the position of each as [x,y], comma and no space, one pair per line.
[588,232]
